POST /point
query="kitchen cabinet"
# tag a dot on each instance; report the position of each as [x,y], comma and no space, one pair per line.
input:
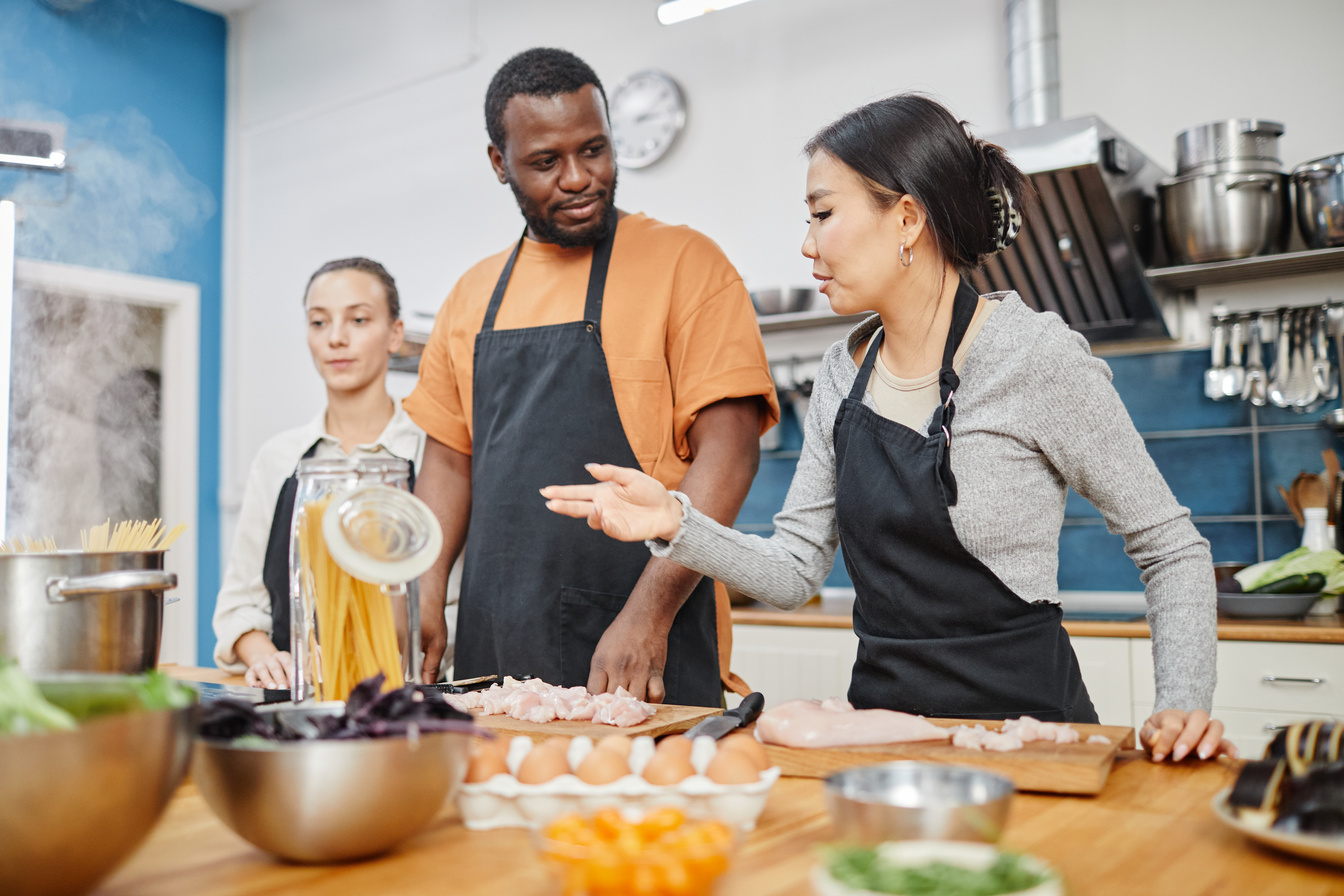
[1261,686]
[1105,666]
[794,662]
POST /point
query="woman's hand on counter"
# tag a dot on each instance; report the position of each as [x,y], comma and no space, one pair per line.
[626,504]
[266,666]
[1175,734]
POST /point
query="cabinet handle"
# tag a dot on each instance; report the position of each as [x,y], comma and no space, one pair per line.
[1270,726]
[1274,679]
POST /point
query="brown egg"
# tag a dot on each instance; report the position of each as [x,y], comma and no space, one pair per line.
[747,746]
[732,767]
[559,743]
[602,766]
[676,745]
[487,760]
[668,767]
[617,743]
[541,764]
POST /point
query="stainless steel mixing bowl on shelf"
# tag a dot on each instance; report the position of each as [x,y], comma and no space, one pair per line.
[917,801]
[74,804]
[330,800]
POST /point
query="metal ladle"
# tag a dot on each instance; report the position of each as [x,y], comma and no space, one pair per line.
[1254,389]
[1234,375]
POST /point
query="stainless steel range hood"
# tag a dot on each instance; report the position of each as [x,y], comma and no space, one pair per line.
[1088,233]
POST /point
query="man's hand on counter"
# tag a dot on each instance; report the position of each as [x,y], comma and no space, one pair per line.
[1176,733]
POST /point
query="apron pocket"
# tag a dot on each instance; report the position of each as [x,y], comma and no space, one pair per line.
[584,618]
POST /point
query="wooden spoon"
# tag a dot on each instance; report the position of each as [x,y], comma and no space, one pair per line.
[1292,505]
[1332,481]
[1310,490]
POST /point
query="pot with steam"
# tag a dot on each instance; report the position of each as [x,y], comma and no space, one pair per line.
[82,610]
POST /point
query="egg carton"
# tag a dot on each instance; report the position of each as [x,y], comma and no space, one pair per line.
[505,802]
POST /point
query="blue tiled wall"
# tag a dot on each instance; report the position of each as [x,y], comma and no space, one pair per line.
[1222,459]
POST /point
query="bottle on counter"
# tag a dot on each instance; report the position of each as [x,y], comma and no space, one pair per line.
[1315,532]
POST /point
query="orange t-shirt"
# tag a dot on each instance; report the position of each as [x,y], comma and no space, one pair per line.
[678,331]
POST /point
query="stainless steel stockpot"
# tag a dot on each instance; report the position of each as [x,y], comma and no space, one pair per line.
[1318,190]
[1234,144]
[88,612]
[1225,215]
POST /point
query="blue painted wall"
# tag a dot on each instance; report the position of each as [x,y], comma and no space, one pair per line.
[1207,450]
[140,87]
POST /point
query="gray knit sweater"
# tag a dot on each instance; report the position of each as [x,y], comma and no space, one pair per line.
[1036,414]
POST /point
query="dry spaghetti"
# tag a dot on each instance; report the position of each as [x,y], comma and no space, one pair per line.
[354,623]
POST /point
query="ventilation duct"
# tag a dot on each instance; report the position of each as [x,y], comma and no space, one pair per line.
[1090,230]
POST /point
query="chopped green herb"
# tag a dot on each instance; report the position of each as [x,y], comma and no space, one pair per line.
[866,869]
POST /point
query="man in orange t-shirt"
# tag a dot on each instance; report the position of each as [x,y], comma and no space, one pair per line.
[601,337]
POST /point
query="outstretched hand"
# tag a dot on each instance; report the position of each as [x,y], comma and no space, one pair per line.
[626,504]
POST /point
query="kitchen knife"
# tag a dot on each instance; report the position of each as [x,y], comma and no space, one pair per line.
[717,726]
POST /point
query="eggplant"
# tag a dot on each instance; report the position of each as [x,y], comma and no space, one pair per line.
[1313,803]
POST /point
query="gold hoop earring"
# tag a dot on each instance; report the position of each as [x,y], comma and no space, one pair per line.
[900,253]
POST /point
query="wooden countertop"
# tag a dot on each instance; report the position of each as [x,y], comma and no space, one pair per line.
[1150,831]
[837,612]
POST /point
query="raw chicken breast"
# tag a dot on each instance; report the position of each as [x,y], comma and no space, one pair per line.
[834,723]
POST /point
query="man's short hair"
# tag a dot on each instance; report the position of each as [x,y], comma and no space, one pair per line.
[541,71]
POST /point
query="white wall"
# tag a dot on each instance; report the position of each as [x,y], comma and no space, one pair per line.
[356,128]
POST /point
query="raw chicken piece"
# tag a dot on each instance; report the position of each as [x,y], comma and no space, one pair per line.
[834,723]
[536,701]
[1098,739]
[1015,733]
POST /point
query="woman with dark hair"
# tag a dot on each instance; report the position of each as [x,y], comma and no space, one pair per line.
[354,327]
[943,434]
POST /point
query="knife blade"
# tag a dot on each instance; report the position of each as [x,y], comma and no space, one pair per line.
[717,726]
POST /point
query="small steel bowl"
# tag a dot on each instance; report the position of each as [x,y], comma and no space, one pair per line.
[330,800]
[917,801]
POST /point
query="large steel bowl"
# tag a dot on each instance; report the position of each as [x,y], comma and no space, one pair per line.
[76,611]
[1222,216]
[917,801]
[330,800]
[74,804]
[1318,188]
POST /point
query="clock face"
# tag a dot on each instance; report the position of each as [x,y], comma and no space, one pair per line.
[647,113]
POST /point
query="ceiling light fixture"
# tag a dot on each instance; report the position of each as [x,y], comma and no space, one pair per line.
[674,11]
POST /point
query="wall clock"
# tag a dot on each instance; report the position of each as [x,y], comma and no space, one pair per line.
[647,112]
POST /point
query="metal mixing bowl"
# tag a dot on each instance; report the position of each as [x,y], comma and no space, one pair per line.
[74,804]
[331,800]
[917,801]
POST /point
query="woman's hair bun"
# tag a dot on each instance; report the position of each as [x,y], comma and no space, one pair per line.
[1005,193]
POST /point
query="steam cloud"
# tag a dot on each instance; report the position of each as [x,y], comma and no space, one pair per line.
[84,408]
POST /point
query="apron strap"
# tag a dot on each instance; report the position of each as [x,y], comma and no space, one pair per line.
[597,279]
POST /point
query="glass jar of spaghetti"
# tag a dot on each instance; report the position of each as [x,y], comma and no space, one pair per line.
[354,604]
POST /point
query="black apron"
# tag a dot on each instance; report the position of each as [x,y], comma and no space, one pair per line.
[939,633]
[540,589]
[275,567]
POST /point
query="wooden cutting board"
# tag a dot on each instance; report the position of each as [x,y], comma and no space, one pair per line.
[667,720]
[1042,767]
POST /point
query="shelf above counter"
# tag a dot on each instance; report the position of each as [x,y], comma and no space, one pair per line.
[1261,267]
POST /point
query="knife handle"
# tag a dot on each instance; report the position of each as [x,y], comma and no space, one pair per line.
[750,707]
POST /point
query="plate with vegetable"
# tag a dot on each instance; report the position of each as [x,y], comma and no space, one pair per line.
[944,867]
[1284,588]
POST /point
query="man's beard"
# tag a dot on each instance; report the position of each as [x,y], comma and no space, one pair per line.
[541,221]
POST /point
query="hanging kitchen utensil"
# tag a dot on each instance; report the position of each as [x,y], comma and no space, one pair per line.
[1299,388]
[1234,375]
[1254,389]
[1213,377]
[1278,371]
[1322,374]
